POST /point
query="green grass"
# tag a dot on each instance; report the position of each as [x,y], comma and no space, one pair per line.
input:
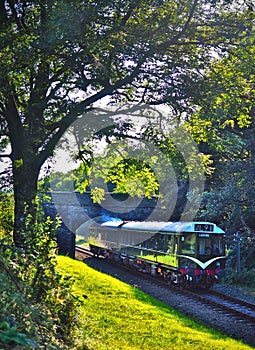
[114,315]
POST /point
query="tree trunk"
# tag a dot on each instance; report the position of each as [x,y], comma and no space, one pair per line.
[25,176]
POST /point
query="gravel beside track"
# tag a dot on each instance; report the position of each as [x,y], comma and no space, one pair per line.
[236,292]
[205,314]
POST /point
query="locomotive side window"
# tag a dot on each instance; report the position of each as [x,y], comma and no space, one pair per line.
[188,243]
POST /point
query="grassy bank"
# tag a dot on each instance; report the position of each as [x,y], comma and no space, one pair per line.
[114,315]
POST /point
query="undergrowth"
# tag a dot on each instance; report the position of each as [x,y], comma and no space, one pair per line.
[37,309]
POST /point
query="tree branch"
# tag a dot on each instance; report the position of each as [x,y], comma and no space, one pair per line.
[163,46]
[132,7]
[5,156]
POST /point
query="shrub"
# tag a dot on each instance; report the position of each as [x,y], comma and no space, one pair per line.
[35,302]
[6,214]
[245,278]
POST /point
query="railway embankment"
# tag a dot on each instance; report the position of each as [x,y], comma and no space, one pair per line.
[199,312]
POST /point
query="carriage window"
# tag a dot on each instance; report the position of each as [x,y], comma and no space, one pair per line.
[188,243]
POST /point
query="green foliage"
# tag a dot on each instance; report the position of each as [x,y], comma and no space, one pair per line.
[224,127]
[138,164]
[35,299]
[6,213]
[118,168]
[244,278]
[9,336]
[133,177]
[97,194]
[61,181]
[247,259]
[226,100]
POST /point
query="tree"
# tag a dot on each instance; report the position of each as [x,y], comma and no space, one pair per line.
[225,127]
[59,58]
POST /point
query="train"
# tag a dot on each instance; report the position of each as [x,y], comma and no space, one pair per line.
[187,254]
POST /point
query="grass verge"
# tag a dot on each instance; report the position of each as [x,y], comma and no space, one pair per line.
[114,315]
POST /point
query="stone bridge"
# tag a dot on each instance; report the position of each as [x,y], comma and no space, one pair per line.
[76,210]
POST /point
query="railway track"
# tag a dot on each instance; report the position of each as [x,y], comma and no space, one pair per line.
[84,251]
[233,307]
[243,310]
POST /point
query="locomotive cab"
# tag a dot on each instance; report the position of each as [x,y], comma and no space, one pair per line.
[201,253]
[202,245]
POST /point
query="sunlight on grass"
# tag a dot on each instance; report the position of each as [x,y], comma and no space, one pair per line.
[114,315]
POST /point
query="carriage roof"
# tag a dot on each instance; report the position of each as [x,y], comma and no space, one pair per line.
[166,227]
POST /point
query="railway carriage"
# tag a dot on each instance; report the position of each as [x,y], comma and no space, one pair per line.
[184,253]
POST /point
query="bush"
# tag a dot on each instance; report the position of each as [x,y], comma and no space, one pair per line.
[36,305]
[247,261]
[245,278]
[6,214]
[9,337]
